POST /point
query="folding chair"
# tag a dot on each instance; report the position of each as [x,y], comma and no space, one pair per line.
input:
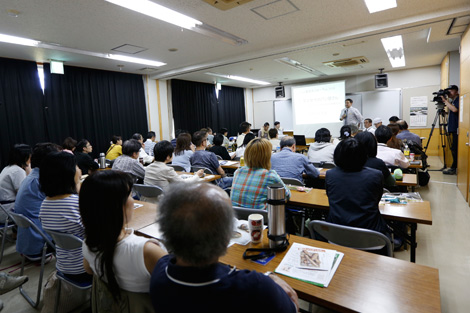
[9,224]
[301,212]
[243,213]
[352,237]
[177,168]
[66,242]
[147,191]
[292,181]
[24,222]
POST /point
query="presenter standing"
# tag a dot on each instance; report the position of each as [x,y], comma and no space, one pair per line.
[350,115]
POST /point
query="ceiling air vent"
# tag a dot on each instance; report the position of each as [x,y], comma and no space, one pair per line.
[226,4]
[148,69]
[346,62]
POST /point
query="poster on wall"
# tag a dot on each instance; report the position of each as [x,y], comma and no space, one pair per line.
[418,111]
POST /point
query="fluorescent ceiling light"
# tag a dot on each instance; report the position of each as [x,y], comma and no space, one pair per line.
[300,66]
[380,5]
[394,48]
[134,60]
[239,78]
[159,12]
[18,40]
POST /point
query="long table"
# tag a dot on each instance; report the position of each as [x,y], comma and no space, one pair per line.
[363,282]
[412,213]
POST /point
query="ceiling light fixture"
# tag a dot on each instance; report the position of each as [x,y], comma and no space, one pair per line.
[158,11]
[300,66]
[170,16]
[239,78]
[18,40]
[380,5]
[394,48]
[134,60]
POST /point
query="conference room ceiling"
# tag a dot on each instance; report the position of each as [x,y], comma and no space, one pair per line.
[310,32]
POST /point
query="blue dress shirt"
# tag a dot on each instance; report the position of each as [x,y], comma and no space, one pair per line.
[289,164]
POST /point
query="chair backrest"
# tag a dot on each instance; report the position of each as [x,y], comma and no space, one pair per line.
[148,191]
[64,240]
[24,222]
[194,169]
[292,181]
[243,213]
[177,168]
[352,237]
[323,164]
[219,157]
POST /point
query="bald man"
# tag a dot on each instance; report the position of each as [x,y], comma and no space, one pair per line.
[197,224]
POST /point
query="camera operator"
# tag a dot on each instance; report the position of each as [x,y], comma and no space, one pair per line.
[452,103]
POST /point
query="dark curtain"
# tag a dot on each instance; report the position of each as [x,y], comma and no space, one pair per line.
[231,109]
[21,106]
[195,106]
[94,104]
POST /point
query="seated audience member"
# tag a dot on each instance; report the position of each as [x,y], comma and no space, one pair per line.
[59,177]
[368,126]
[220,150]
[128,162]
[273,139]
[406,134]
[322,149]
[280,130]
[370,144]
[142,154]
[244,129]
[115,150]
[207,159]
[289,164]
[111,251]
[84,160]
[344,133]
[210,136]
[224,132]
[29,200]
[392,157]
[246,140]
[354,130]
[394,142]
[264,132]
[377,122]
[11,177]
[250,182]
[184,151]
[161,175]
[150,143]
[354,191]
[196,222]
[177,133]
[69,145]
[393,119]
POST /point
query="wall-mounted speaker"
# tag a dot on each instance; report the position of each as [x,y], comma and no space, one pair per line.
[381,81]
[280,93]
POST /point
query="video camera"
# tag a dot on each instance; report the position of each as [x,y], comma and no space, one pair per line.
[439,102]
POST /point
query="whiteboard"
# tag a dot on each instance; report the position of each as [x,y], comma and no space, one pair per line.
[283,113]
[383,104]
[263,111]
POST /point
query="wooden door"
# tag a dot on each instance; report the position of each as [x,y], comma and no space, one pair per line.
[464,126]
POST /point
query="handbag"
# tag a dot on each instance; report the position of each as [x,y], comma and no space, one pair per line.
[70,297]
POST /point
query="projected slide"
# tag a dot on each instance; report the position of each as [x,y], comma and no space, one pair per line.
[316,106]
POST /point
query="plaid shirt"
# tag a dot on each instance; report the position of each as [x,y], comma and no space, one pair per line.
[250,187]
[127,164]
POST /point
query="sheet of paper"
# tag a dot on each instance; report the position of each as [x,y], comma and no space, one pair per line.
[137,205]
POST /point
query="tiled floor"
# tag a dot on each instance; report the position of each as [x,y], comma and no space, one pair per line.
[444,245]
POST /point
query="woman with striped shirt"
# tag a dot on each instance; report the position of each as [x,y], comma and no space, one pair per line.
[59,177]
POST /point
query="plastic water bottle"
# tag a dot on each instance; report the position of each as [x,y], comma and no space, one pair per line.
[406,151]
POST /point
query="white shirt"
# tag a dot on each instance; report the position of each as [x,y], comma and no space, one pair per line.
[276,143]
[370,130]
[129,266]
[240,139]
[390,156]
[10,181]
[147,158]
[149,144]
[353,116]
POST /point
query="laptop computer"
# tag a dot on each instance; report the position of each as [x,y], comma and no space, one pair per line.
[300,140]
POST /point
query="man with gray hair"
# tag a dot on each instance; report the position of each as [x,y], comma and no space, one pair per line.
[289,164]
[196,222]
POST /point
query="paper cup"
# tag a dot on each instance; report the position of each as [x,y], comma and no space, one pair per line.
[412,156]
[255,224]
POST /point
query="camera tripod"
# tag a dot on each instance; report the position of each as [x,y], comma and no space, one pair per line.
[444,137]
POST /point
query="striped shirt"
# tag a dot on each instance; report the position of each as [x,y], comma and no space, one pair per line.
[250,187]
[63,215]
